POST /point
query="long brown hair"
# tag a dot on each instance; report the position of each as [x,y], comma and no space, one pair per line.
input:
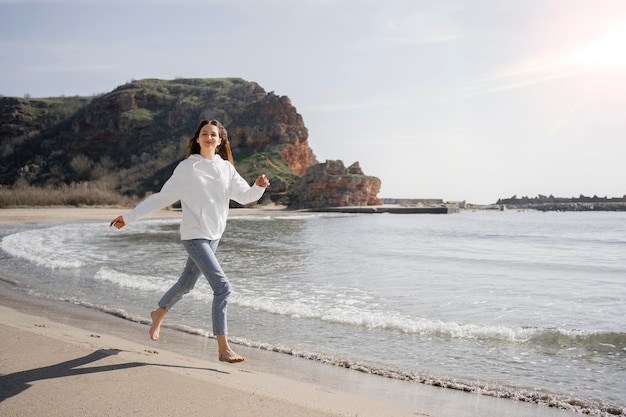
[223,148]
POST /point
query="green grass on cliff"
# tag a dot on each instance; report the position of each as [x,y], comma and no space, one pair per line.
[139,114]
[253,162]
[168,87]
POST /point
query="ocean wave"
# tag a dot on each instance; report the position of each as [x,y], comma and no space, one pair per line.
[41,247]
[68,246]
[583,406]
[597,341]
[546,339]
[137,282]
[353,312]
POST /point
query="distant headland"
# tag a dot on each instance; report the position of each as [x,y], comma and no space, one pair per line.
[539,203]
[551,203]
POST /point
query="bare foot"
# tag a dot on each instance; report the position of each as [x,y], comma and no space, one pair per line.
[157,318]
[230,357]
[226,353]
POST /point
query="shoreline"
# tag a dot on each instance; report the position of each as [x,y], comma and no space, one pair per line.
[267,383]
[72,361]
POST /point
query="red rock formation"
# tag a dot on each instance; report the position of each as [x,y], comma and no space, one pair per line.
[274,119]
[331,184]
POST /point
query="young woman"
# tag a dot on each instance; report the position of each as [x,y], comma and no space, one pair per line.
[204,183]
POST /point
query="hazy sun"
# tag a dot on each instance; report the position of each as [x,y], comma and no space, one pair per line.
[607,52]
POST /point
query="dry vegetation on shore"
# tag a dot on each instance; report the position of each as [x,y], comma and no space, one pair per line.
[77,194]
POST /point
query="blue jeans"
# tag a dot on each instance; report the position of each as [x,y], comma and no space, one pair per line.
[202,261]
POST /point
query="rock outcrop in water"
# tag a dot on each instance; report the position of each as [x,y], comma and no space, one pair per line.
[331,184]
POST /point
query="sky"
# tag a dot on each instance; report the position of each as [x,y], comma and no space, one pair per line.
[470,100]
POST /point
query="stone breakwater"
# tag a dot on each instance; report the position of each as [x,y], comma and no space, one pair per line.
[383,209]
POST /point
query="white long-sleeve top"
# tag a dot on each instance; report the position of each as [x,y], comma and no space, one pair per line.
[204,188]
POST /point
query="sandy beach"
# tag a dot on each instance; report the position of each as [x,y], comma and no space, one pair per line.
[53,369]
[59,359]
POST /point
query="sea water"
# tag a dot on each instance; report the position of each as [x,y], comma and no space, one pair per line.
[522,305]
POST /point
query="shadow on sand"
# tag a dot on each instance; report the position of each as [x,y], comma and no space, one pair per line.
[17,382]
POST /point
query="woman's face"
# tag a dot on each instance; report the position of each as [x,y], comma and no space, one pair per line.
[209,140]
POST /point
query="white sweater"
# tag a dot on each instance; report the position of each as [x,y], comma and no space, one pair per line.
[204,188]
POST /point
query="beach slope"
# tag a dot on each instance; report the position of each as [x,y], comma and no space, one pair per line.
[53,369]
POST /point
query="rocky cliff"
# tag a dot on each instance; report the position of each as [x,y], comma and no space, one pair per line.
[130,139]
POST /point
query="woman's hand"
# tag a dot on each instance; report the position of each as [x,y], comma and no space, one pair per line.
[262,181]
[118,222]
